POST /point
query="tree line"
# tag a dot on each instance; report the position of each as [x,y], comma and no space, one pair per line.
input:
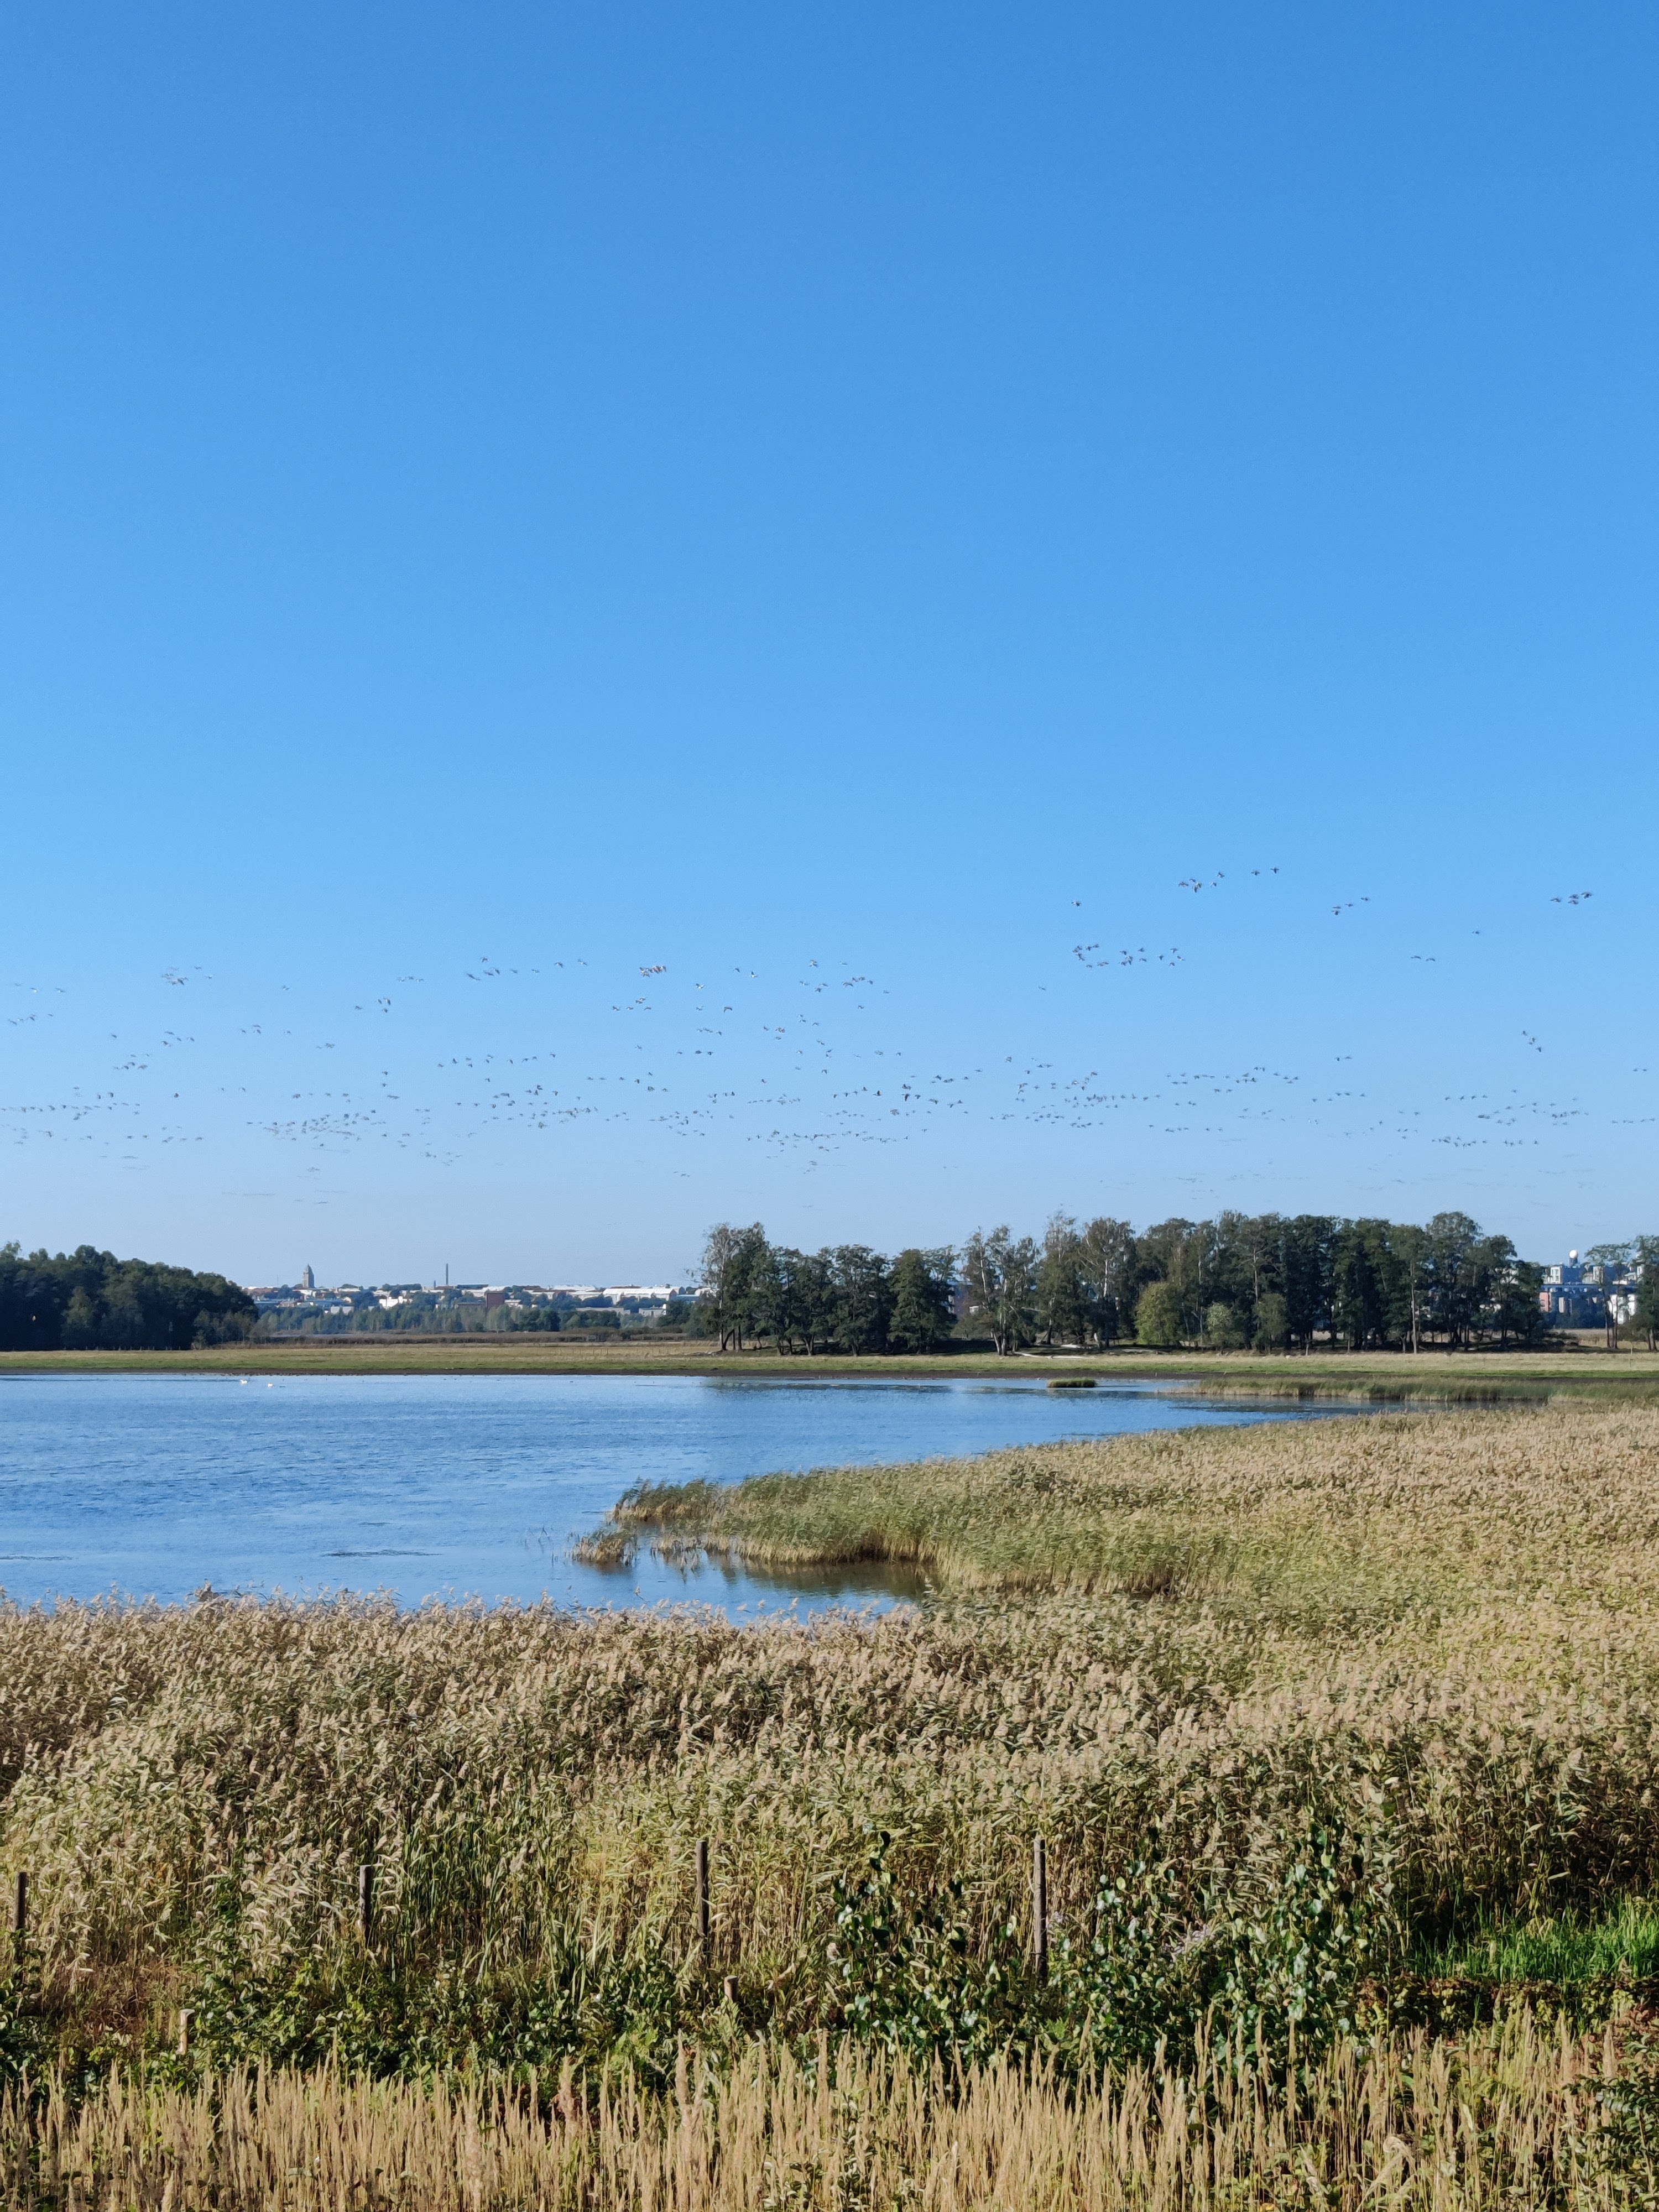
[87,1300]
[421,1314]
[1266,1282]
[844,1298]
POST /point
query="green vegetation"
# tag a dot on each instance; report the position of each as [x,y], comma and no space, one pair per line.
[522,1312]
[1559,1370]
[1262,1281]
[849,1299]
[1159,1316]
[1310,1284]
[1621,1945]
[418,1313]
[1324,1522]
[1339,1736]
[1287,1702]
[87,1300]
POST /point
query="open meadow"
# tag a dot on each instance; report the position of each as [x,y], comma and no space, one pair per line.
[1340,1737]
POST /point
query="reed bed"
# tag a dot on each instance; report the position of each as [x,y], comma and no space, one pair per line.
[1322,1516]
[1394,1675]
[1513,2116]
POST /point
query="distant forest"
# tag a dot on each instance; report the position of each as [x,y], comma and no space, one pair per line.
[1266,1282]
[87,1300]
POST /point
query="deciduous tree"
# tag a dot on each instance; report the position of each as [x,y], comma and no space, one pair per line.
[1158,1317]
[999,1273]
[1064,1292]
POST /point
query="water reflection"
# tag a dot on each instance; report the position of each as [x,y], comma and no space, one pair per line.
[712,1578]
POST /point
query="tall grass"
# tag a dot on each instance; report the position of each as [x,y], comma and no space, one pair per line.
[1512,2117]
[1292,1706]
[1564,1948]
[1381,1514]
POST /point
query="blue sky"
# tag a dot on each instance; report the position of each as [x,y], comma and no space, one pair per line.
[559,519]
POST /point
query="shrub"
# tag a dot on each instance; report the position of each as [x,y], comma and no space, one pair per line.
[1224,1329]
[1273,1323]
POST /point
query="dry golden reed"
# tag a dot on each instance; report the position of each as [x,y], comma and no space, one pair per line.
[1459,1625]
[1434,1635]
[1513,2116]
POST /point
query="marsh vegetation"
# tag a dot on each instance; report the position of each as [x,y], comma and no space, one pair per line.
[1341,1738]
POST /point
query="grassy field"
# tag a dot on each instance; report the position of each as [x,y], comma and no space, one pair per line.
[1471,1377]
[1341,1737]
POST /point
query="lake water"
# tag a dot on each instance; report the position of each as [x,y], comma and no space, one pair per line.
[153,1485]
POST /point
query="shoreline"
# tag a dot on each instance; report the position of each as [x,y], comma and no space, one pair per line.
[1389,1377]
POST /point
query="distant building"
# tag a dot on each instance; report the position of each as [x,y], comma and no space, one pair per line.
[629,1302]
[1588,1293]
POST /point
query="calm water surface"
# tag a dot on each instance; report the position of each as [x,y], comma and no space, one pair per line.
[153,1485]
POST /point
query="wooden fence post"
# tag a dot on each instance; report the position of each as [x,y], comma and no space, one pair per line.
[1040,1907]
[185,2017]
[702,1892]
[20,1914]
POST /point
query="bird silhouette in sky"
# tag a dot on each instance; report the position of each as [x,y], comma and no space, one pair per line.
[793,1065]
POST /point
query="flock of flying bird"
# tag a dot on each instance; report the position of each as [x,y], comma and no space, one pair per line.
[818,1065]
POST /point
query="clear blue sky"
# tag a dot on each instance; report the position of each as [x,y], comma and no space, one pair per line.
[708,491]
